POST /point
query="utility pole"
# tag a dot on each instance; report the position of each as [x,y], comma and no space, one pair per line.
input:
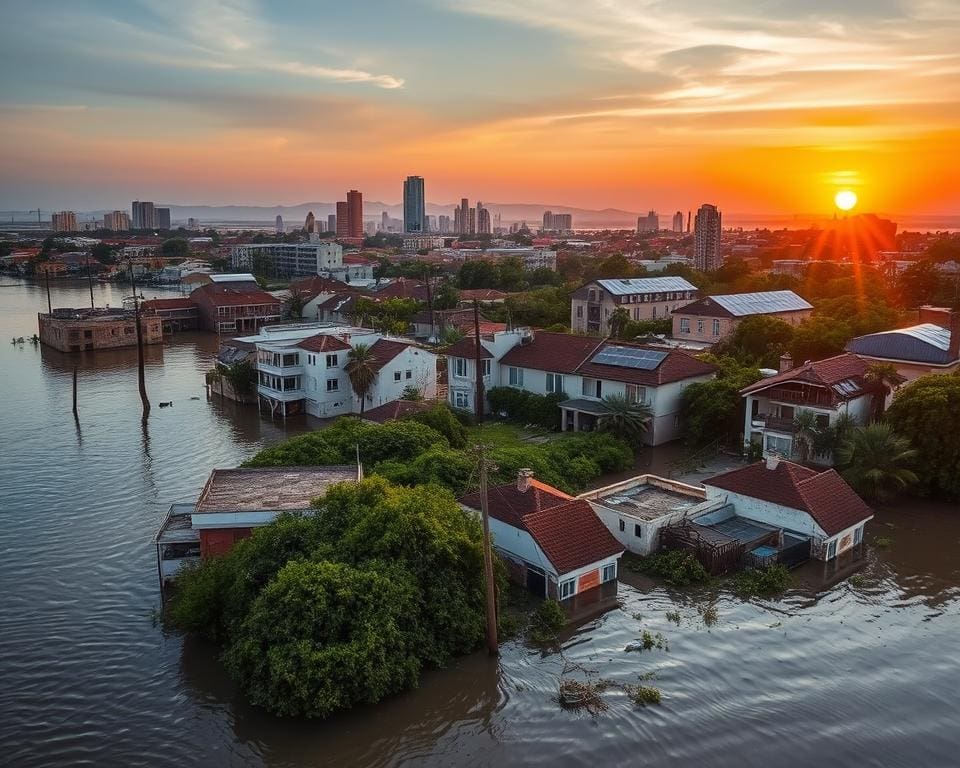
[46,274]
[140,372]
[478,360]
[492,641]
[75,391]
[90,281]
[429,300]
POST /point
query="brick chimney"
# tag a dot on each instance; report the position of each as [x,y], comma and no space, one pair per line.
[953,351]
[786,363]
[524,476]
[773,461]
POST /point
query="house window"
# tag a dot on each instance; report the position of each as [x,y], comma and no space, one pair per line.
[396,376]
[516,377]
[609,572]
[554,382]
[333,385]
[716,327]
[637,530]
[779,445]
[291,383]
[654,311]
[623,525]
[460,367]
[293,359]
[684,325]
[485,366]
[408,375]
[332,361]
[832,549]
[700,326]
[858,535]
[568,588]
[636,394]
[592,388]
[461,400]
[580,311]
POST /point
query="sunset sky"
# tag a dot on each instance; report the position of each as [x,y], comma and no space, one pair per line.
[761,107]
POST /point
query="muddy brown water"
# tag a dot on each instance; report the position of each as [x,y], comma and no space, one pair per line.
[858,664]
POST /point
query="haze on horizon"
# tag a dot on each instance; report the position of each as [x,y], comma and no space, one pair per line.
[764,108]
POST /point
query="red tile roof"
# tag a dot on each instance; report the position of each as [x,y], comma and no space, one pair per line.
[559,352]
[566,529]
[384,350]
[324,343]
[184,303]
[404,288]
[467,347]
[315,285]
[826,373]
[483,294]
[676,366]
[395,409]
[825,496]
[225,294]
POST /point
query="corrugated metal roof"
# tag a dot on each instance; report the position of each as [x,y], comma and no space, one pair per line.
[626,286]
[924,343]
[239,277]
[761,303]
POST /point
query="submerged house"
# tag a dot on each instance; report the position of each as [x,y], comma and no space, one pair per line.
[553,544]
[234,502]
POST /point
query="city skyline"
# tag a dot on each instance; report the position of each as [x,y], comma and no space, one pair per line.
[767,112]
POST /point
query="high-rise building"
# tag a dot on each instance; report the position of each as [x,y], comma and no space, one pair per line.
[557,222]
[414,205]
[143,216]
[162,218]
[648,223]
[332,222]
[443,224]
[64,221]
[192,223]
[678,221]
[707,227]
[471,225]
[354,213]
[483,220]
[310,225]
[463,228]
[431,223]
[457,221]
[343,220]
[278,225]
[117,221]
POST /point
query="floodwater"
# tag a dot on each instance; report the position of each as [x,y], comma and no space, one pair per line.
[860,664]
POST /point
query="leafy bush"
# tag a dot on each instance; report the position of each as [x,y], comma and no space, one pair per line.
[442,419]
[527,407]
[677,567]
[321,612]
[547,621]
[762,582]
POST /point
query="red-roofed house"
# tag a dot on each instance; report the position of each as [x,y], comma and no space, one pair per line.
[797,500]
[826,388]
[231,307]
[554,544]
[585,368]
[178,314]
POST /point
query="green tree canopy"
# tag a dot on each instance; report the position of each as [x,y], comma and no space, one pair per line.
[876,461]
[175,248]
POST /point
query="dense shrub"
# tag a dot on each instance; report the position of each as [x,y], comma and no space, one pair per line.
[442,419]
[526,407]
[762,582]
[320,612]
[677,567]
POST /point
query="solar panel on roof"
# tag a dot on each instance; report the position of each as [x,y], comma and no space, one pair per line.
[629,357]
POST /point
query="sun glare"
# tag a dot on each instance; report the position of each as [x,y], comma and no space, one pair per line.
[845,199]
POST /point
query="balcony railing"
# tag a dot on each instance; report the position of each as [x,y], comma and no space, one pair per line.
[774,423]
[812,397]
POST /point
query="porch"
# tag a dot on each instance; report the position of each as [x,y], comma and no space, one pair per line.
[178,543]
[580,414]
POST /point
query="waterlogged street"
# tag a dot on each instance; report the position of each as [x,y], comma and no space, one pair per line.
[857,664]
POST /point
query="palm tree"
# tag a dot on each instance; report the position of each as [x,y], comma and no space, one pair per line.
[360,368]
[295,303]
[883,378]
[806,433]
[625,418]
[876,461]
[618,321]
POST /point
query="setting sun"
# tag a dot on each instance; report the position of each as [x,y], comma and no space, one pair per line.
[845,199]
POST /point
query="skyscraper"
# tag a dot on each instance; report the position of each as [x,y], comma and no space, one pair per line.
[648,223]
[278,225]
[143,216]
[483,220]
[64,221]
[384,221]
[355,213]
[707,227]
[414,205]
[343,220]
[161,218]
[443,223]
[331,222]
[117,221]
[678,221]
[471,225]
[310,225]
[464,212]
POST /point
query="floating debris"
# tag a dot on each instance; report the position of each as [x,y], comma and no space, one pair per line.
[577,695]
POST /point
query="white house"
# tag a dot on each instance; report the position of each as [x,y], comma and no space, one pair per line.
[793,499]
[827,388]
[586,369]
[553,544]
[644,298]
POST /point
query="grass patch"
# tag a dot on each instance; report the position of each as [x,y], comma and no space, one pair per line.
[857,580]
[675,566]
[710,615]
[647,642]
[644,694]
[762,582]
[882,542]
[673,616]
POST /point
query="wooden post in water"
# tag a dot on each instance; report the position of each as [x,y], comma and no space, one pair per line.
[90,281]
[478,360]
[46,273]
[75,390]
[492,642]
[140,368]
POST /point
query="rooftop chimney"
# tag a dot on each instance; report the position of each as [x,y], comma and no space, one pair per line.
[524,476]
[953,351]
[786,362]
[773,461]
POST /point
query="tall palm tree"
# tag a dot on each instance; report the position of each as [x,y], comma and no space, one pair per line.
[876,461]
[625,418]
[618,321]
[295,303]
[360,368]
[883,378]
[805,433]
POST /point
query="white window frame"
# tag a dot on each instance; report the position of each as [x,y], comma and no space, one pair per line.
[515,376]
[567,588]
[684,325]
[461,400]
[397,375]
[554,383]
[636,394]
[332,361]
[831,549]
[485,366]
[716,327]
[335,383]
[700,325]
[608,573]
[858,535]
[460,367]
